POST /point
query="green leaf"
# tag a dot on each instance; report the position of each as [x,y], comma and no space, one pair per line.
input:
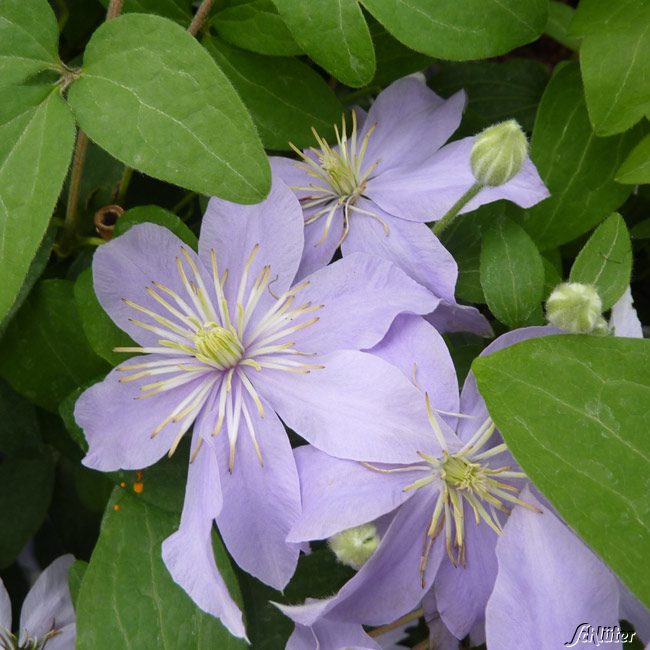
[512,274]
[66,411]
[26,472]
[577,167]
[560,16]
[552,277]
[574,412]
[159,216]
[154,98]
[44,353]
[102,333]
[641,230]
[285,97]
[75,578]
[36,140]
[128,599]
[496,91]
[635,169]
[29,40]
[335,35]
[614,58]
[179,11]
[255,25]
[606,260]
[394,59]
[472,29]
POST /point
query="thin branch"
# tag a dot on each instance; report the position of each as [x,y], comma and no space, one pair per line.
[114,9]
[199,17]
[78,161]
[407,618]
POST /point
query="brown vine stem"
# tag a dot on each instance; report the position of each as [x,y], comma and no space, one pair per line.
[78,160]
[407,618]
[199,17]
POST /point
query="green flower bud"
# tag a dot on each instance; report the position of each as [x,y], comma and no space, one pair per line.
[576,308]
[498,153]
[354,546]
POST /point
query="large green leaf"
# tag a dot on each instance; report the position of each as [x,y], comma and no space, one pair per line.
[255,25]
[155,99]
[496,91]
[29,40]
[161,217]
[472,29]
[36,140]
[614,58]
[512,274]
[560,16]
[44,353]
[335,35]
[26,474]
[285,97]
[636,167]
[128,599]
[577,167]
[574,412]
[606,260]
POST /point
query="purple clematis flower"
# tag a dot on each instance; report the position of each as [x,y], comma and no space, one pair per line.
[374,191]
[47,619]
[538,556]
[226,341]
[448,503]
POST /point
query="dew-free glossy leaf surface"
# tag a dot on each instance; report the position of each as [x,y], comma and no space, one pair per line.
[512,274]
[29,39]
[44,353]
[614,56]
[128,599]
[577,166]
[605,261]
[335,35]
[574,412]
[285,97]
[36,140]
[636,167]
[255,25]
[472,29]
[155,99]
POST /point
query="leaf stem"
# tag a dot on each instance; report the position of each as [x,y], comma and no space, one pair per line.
[124,184]
[456,208]
[70,223]
[188,198]
[114,9]
[199,17]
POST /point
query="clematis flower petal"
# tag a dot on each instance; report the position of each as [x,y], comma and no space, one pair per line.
[624,318]
[326,635]
[462,592]
[232,230]
[320,246]
[415,347]
[48,604]
[361,296]
[119,426]
[452,317]
[411,246]
[357,407]
[389,584]
[428,191]
[292,174]
[340,494]
[268,494]
[5,608]
[188,553]
[548,585]
[410,122]
[635,612]
[125,267]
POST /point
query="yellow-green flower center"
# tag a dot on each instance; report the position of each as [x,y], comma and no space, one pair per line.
[217,345]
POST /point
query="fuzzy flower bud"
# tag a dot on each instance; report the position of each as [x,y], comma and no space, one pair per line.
[354,546]
[498,153]
[576,308]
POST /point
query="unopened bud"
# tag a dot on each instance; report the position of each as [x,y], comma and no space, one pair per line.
[498,153]
[354,546]
[576,308]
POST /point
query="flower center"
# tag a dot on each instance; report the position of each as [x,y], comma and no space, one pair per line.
[10,642]
[218,345]
[341,178]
